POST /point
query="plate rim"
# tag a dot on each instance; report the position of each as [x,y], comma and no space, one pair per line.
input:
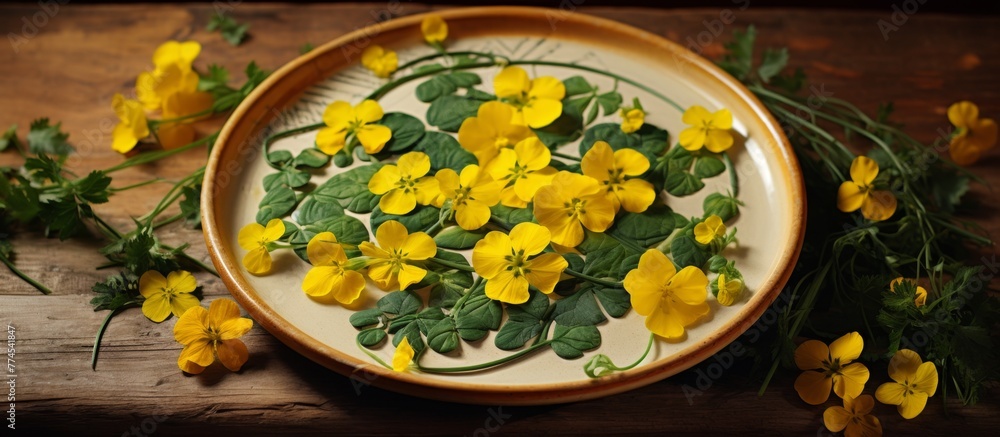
[478,393]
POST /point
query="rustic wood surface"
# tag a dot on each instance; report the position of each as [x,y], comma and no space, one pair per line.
[69,68]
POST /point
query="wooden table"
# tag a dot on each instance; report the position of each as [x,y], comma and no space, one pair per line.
[71,66]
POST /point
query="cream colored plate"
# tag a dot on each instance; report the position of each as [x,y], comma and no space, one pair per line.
[770,226]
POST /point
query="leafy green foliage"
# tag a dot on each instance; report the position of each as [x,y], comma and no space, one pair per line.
[649,140]
[276,204]
[448,112]
[524,322]
[233,32]
[406,131]
[457,238]
[570,342]
[350,189]
[446,84]
[418,220]
[478,315]
[647,228]
[444,151]
[190,205]
[9,139]
[44,138]
[348,230]
[727,207]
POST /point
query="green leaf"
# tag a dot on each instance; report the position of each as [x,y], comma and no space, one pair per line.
[234,33]
[647,228]
[48,139]
[288,177]
[64,216]
[434,88]
[708,166]
[447,113]
[406,131]
[774,61]
[610,102]
[726,207]
[280,157]
[511,216]
[687,252]
[350,189]
[616,301]
[371,337]
[443,336]
[9,138]
[456,238]
[311,157]
[564,130]
[464,79]
[591,115]
[400,303]
[410,331]
[570,342]
[579,309]
[447,284]
[738,60]
[312,210]
[93,188]
[444,151]
[275,204]
[576,85]
[524,322]
[478,316]
[418,220]
[190,205]
[680,183]
[606,257]
[348,230]
[366,318]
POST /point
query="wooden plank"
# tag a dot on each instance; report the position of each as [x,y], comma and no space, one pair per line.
[83,55]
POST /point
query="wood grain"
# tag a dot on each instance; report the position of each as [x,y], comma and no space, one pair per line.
[73,64]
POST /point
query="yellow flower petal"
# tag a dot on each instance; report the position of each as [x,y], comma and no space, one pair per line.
[321,280]
[414,164]
[903,365]
[722,119]
[380,61]
[174,52]
[526,187]
[863,170]
[696,115]
[508,288]
[547,87]
[257,261]
[472,215]
[350,290]
[664,324]
[632,120]
[409,275]
[183,302]
[878,206]
[511,82]
[323,250]
[926,379]
[692,138]
[847,348]
[191,326]
[198,352]
[397,202]
[600,213]
[384,179]
[174,135]
[331,140]
[688,285]
[221,310]
[631,162]
[963,114]
[489,253]
[373,137]
[542,112]
[448,182]
[913,404]
[273,231]
[156,307]
[850,197]
[811,354]
[391,234]
[530,238]
[382,274]
[234,327]
[151,283]
[718,141]
[403,356]
[813,387]
[636,195]
[544,271]
[233,354]
[418,246]
[836,418]
[851,380]
[427,190]
[187,366]
[368,111]
[890,393]
[181,281]
[186,103]
[339,115]
[434,28]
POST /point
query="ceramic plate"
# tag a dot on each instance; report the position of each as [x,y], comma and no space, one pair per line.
[770,226]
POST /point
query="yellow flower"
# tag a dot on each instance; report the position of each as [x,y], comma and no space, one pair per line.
[174,135]
[632,119]
[403,356]
[538,102]
[257,239]
[167,295]
[177,53]
[570,203]
[710,229]
[915,382]
[380,61]
[859,192]
[709,130]
[490,131]
[391,266]
[472,194]
[611,168]
[173,73]
[975,135]
[729,290]
[403,186]
[853,418]
[434,28]
[921,298]
[511,263]
[523,170]
[132,125]
[830,366]
[210,334]
[329,273]
[670,300]
[342,119]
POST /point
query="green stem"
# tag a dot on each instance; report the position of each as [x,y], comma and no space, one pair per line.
[447,263]
[639,85]
[169,220]
[461,301]
[483,366]
[371,354]
[565,156]
[146,158]
[734,180]
[136,185]
[384,89]
[38,285]
[444,54]
[597,281]
[547,317]
[154,123]
[286,133]
[100,332]
[192,260]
